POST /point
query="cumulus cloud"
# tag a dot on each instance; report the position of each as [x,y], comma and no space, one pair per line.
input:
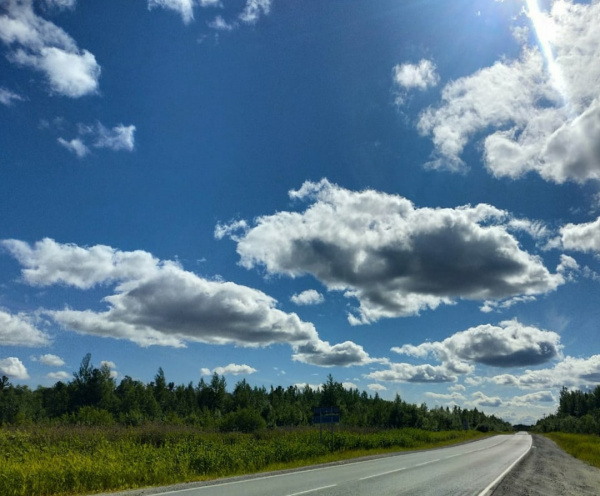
[420,76]
[406,372]
[317,352]
[540,112]
[19,330]
[532,398]
[376,387]
[445,397]
[61,375]
[509,344]
[13,367]
[231,369]
[308,297]
[581,237]
[394,258]
[414,76]
[52,360]
[159,303]
[8,97]
[570,372]
[41,45]
[185,8]
[48,262]
[481,399]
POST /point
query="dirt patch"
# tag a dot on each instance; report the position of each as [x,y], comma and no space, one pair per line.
[548,471]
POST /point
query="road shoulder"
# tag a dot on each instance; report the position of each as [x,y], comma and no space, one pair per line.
[546,471]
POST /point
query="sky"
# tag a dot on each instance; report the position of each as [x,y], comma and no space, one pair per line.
[402,194]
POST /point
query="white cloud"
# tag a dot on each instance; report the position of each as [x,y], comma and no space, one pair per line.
[75,146]
[474,381]
[349,385]
[416,76]
[406,372]
[13,367]
[570,372]
[61,375]
[457,388]
[445,397]
[509,344]
[581,237]
[532,398]
[481,399]
[396,259]
[18,330]
[376,387]
[210,3]
[254,9]
[61,4]
[546,121]
[234,369]
[321,353]
[8,97]
[48,262]
[185,8]
[159,303]
[52,360]
[308,297]
[221,24]
[43,46]
[313,387]
[119,138]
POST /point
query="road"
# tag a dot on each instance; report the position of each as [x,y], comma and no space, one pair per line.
[468,469]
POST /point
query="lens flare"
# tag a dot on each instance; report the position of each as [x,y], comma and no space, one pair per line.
[543,31]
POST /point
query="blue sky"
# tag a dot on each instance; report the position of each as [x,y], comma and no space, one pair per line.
[403,194]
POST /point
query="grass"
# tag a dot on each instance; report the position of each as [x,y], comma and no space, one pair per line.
[43,461]
[586,447]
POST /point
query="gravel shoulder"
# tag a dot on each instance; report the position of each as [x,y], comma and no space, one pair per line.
[548,471]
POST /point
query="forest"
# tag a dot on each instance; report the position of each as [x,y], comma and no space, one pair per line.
[93,398]
[578,413]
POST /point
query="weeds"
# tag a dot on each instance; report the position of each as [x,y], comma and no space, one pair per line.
[61,460]
[586,447]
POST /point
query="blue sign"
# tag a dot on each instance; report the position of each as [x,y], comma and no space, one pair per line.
[326,419]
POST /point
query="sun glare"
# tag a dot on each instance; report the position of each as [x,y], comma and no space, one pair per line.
[543,31]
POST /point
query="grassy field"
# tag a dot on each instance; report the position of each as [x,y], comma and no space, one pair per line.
[586,447]
[78,460]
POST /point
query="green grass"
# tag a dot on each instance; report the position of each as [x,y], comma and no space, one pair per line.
[77,460]
[586,447]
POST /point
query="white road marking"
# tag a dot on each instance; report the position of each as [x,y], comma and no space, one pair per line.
[383,473]
[312,490]
[488,489]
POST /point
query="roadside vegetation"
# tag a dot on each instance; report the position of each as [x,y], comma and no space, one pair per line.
[92,434]
[75,460]
[586,447]
[575,426]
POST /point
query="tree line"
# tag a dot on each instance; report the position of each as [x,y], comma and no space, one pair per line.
[93,397]
[578,412]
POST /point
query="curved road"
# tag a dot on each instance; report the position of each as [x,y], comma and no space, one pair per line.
[468,469]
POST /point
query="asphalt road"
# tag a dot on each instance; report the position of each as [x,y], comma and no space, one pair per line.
[468,469]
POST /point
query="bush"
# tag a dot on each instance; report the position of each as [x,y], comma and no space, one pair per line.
[244,420]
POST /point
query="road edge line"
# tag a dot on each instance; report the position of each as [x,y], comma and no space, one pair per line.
[489,489]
